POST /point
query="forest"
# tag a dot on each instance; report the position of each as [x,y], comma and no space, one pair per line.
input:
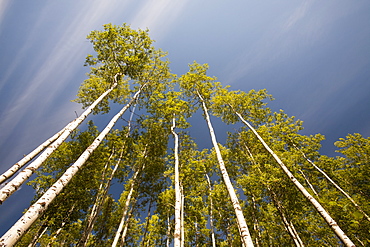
[143,181]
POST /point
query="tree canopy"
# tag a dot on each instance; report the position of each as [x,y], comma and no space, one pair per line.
[146,182]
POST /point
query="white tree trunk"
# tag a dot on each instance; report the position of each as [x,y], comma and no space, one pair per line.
[177,233]
[23,176]
[168,231]
[308,182]
[182,217]
[333,183]
[124,232]
[288,224]
[125,209]
[334,226]
[12,170]
[36,210]
[243,228]
[102,192]
[211,212]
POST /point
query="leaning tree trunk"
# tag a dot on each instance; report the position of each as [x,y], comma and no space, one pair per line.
[12,170]
[125,208]
[37,209]
[23,176]
[287,223]
[124,232]
[43,228]
[177,233]
[102,193]
[333,183]
[243,228]
[331,222]
[211,212]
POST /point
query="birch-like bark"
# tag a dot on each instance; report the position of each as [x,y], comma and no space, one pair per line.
[182,217]
[245,235]
[333,183]
[177,233]
[24,175]
[308,182]
[288,224]
[331,222]
[37,209]
[211,212]
[124,232]
[125,209]
[168,231]
[98,202]
[256,226]
[17,166]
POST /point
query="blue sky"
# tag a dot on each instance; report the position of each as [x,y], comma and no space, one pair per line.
[312,56]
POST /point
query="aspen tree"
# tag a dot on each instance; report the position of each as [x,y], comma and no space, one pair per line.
[197,84]
[121,52]
[211,213]
[177,233]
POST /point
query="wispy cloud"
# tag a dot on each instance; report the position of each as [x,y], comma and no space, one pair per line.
[4,4]
[297,15]
[56,63]
[158,15]
[279,39]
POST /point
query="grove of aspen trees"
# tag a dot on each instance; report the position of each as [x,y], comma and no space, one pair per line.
[143,181]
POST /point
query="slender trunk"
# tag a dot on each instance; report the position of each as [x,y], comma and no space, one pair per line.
[168,231]
[23,176]
[147,223]
[288,224]
[182,217]
[362,244]
[40,232]
[124,232]
[245,235]
[125,208]
[296,233]
[333,183]
[256,223]
[256,226]
[17,166]
[177,233]
[52,240]
[102,192]
[337,230]
[211,212]
[61,227]
[308,182]
[36,210]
